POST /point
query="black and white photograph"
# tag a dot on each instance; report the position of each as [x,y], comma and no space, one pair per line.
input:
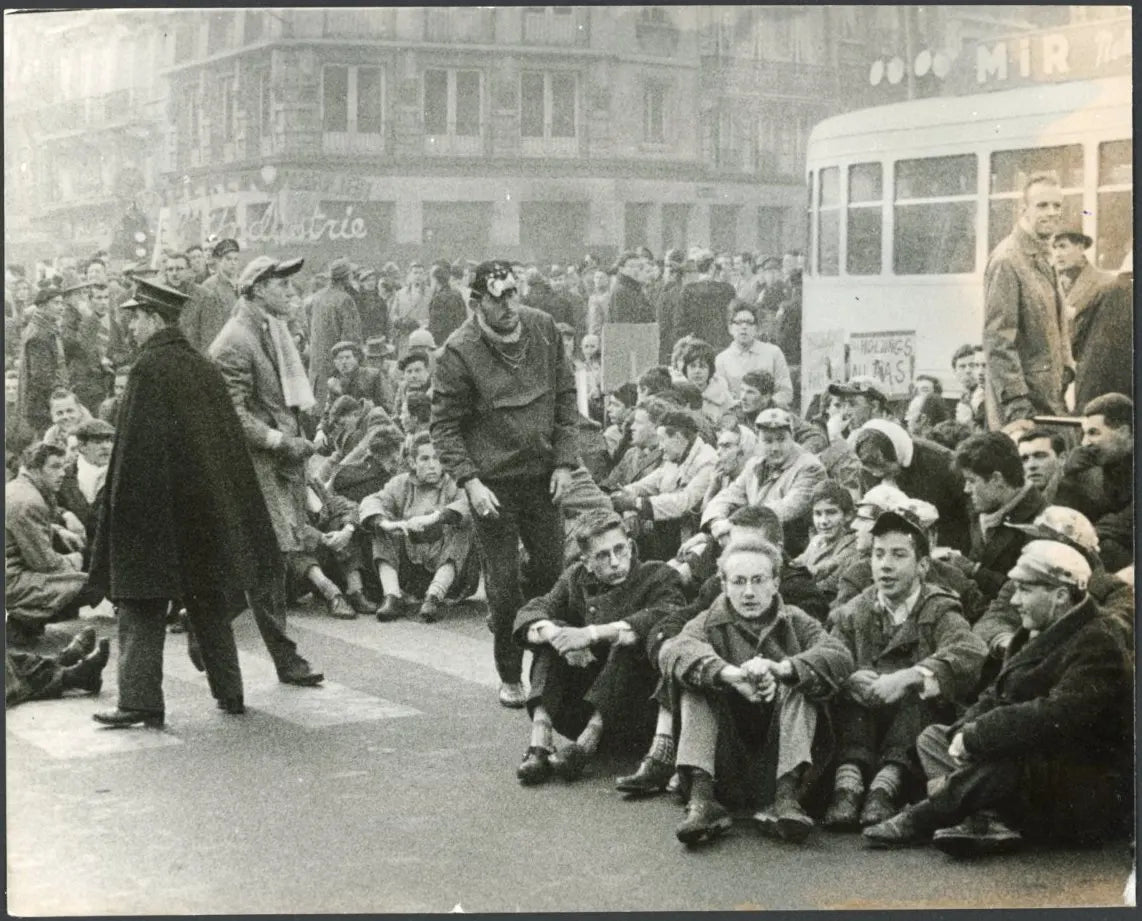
[549,459]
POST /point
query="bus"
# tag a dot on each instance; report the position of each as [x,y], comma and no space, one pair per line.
[907,200]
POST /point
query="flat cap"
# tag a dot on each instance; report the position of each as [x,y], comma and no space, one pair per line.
[51,292]
[1075,235]
[94,430]
[340,269]
[901,518]
[774,418]
[264,266]
[1049,562]
[923,514]
[1059,523]
[348,346]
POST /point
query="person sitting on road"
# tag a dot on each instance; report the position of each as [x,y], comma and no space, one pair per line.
[353,379]
[41,583]
[79,666]
[781,475]
[669,498]
[589,674]
[422,536]
[416,414]
[748,678]
[1047,749]
[833,540]
[644,452]
[374,460]
[915,658]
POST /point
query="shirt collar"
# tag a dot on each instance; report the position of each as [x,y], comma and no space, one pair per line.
[900,612]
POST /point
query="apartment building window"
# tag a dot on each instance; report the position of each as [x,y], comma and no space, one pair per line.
[549,25]
[654,114]
[452,111]
[352,109]
[548,113]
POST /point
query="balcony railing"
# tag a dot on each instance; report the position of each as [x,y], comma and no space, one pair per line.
[557,26]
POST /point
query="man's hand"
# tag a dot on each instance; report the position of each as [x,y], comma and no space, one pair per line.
[859,687]
[296,448]
[72,523]
[69,539]
[333,385]
[623,502]
[719,528]
[579,658]
[888,689]
[560,485]
[733,677]
[953,556]
[570,639]
[338,541]
[419,523]
[75,560]
[482,500]
[759,671]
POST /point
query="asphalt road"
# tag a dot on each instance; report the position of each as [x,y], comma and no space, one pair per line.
[392,789]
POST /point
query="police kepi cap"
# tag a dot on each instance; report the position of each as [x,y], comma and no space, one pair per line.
[1049,562]
[166,302]
[224,247]
[264,266]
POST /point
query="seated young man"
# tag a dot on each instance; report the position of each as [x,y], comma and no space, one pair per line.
[589,674]
[78,667]
[422,535]
[67,415]
[374,460]
[353,378]
[781,475]
[415,369]
[643,453]
[41,583]
[915,657]
[1048,746]
[667,500]
[747,679]
[832,541]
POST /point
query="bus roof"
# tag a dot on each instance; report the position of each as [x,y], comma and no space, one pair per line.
[1045,100]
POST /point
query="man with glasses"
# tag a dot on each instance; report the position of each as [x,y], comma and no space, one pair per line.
[748,353]
[590,673]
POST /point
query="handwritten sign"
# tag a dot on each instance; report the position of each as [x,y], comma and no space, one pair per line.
[628,350]
[888,357]
[822,361]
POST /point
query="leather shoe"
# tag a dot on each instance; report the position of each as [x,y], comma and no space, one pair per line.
[843,813]
[391,609]
[339,608]
[902,830]
[87,674]
[977,836]
[651,778]
[430,610]
[233,705]
[568,763]
[122,719]
[535,767]
[878,807]
[361,604]
[785,819]
[512,696]
[301,674]
[705,819]
[81,646]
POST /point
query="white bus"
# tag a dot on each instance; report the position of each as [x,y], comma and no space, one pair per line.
[907,200]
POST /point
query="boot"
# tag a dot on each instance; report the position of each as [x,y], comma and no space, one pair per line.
[87,674]
[705,819]
[81,645]
[651,777]
[790,822]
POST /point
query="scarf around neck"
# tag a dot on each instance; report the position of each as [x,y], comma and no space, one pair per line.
[291,372]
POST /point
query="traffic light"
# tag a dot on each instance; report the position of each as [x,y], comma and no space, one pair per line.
[133,241]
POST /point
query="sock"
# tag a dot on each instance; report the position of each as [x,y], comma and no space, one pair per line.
[322,583]
[541,732]
[390,584]
[589,738]
[353,583]
[849,777]
[441,581]
[701,784]
[890,779]
[662,748]
[664,724]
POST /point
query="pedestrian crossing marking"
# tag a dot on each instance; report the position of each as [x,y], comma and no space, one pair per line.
[64,729]
[434,647]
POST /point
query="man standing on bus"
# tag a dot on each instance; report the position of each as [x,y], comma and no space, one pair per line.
[1025,334]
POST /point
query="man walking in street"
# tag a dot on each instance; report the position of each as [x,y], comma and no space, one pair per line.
[335,319]
[1025,333]
[267,383]
[505,423]
[183,519]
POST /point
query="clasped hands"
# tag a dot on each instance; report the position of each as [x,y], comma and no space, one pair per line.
[756,678]
[871,689]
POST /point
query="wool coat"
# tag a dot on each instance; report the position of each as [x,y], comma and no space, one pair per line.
[182,509]
[1000,551]
[1061,706]
[245,355]
[1102,335]
[334,319]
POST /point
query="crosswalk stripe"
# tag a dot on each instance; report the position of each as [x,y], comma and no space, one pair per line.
[429,645]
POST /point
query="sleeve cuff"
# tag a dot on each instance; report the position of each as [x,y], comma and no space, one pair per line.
[535,633]
[931,687]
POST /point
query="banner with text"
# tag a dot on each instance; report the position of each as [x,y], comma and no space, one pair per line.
[888,357]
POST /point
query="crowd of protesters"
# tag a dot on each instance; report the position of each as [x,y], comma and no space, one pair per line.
[910,617]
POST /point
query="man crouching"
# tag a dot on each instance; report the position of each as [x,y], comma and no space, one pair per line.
[589,671]
[749,677]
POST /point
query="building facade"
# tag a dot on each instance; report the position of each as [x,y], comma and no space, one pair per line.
[537,133]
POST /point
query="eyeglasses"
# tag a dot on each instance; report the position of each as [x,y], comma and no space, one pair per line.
[744,323]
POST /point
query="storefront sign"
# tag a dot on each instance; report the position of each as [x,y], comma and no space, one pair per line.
[889,358]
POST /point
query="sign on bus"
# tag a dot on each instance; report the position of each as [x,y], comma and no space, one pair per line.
[887,357]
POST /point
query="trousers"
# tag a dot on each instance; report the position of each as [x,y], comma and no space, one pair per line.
[526,514]
[142,635]
[268,603]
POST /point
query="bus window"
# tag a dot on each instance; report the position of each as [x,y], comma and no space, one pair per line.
[1010,170]
[935,208]
[829,221]
[1115,212]
[864,219]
